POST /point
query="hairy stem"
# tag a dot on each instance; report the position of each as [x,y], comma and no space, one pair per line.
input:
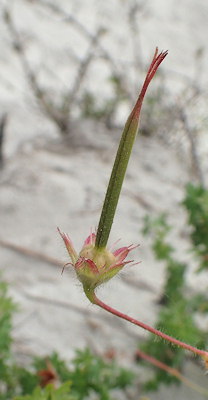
[202,353]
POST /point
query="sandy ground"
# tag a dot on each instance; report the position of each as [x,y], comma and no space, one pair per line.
[45,184]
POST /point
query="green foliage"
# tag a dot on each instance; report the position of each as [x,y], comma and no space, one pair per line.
[49,393]
[160,228]
[196,204]
[90,374]
[87,374]
[176,315]
[199,303]
[7,308]
[60,366]
[26,379]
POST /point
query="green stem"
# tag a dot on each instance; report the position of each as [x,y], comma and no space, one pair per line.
[115,184]
[122,159]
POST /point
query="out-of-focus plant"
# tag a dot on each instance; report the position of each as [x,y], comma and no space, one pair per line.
[60,104]
[87,375]
[50,393]
[7,307]
[177,306]
[106,110]
[90,374]
[58,109]
[196,204]
[50,378]
[173,372]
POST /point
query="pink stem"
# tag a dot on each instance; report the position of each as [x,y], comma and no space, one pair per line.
[158,364]
[202,353]
[171,371]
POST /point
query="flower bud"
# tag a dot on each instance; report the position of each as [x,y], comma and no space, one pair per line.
[93,265]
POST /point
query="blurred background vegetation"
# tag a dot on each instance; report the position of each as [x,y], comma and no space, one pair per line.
[63,65]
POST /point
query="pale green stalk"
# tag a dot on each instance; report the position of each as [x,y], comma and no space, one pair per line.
[122,159]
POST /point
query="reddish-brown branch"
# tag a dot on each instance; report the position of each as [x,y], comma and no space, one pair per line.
[171,371]
[30,253]
[158,364]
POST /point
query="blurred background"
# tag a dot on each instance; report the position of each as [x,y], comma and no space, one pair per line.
[70,74]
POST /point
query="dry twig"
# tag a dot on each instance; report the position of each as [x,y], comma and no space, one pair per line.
[3,122]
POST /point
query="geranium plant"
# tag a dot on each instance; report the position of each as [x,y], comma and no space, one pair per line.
[96,264]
